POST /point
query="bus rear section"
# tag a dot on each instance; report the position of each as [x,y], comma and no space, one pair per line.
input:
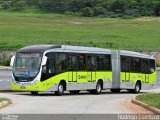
[133,71]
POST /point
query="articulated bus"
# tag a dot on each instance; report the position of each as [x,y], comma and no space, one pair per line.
[59,68]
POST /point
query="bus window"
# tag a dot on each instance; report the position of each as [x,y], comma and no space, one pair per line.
[108,62]
[81,62]
[135,65]
[125,61]
[104,62]
[152,66]
[91,63]
[60,63]
[145,66]
[72,63]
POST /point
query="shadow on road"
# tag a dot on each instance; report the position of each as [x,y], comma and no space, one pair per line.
[69,94]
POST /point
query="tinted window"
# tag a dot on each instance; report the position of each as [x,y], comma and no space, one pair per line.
[91,63]
[148,66]
[108,62]
[135,65]
[125,61]
[152,66]
[81,62]
[104,62]
[145,66]
[72,62]
[60,62]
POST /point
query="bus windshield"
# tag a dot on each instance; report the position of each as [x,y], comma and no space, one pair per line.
[26,66]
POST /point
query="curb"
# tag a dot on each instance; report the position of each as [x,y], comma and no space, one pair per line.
[5,103]
[146,106]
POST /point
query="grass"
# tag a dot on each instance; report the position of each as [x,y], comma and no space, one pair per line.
[18,29]
[3,99]
[150,99]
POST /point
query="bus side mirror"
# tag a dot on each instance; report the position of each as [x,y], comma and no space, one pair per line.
[44,60]
[12,61]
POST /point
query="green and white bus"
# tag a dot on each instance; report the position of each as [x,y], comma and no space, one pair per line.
[59,68]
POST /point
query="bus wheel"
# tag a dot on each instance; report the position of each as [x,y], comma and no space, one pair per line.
[34,92]
[74,91]
[115,90]
[137,87]
[98,88]
[60,89]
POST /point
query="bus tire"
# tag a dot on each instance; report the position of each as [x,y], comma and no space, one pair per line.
[60,89]
[137,87]
[34,92]
[98,88]
[115,90]
[74,91]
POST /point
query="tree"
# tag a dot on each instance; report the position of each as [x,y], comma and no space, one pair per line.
[87,12]
[53,5]
[76,5]
[99,11]
[119,5]
[157,9]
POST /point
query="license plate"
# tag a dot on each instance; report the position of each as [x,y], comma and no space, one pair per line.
[22,87]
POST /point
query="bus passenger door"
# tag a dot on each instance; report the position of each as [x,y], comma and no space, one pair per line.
[91,67]
[72,68]
[145,70]
[125,74]
[146,78]
[72,76]
[91,76]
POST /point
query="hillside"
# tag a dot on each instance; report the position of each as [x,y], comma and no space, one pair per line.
[18,29]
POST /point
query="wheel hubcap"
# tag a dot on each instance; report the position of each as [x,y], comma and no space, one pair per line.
[137,88]
[98,87]
[60,88]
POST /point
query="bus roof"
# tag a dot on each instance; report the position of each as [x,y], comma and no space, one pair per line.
[38,48]
[79,49]
[135,54]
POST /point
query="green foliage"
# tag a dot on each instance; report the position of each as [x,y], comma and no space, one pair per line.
[87,12]
[158,64]
[119,5]
[18,4]
[99,11]
[53,5]
[5,61]
[92,7]
[6,5]
[3,99]
[69,13]
[157,9]
[76,5]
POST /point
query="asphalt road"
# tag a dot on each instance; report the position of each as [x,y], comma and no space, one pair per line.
[5,77]
[84,103]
